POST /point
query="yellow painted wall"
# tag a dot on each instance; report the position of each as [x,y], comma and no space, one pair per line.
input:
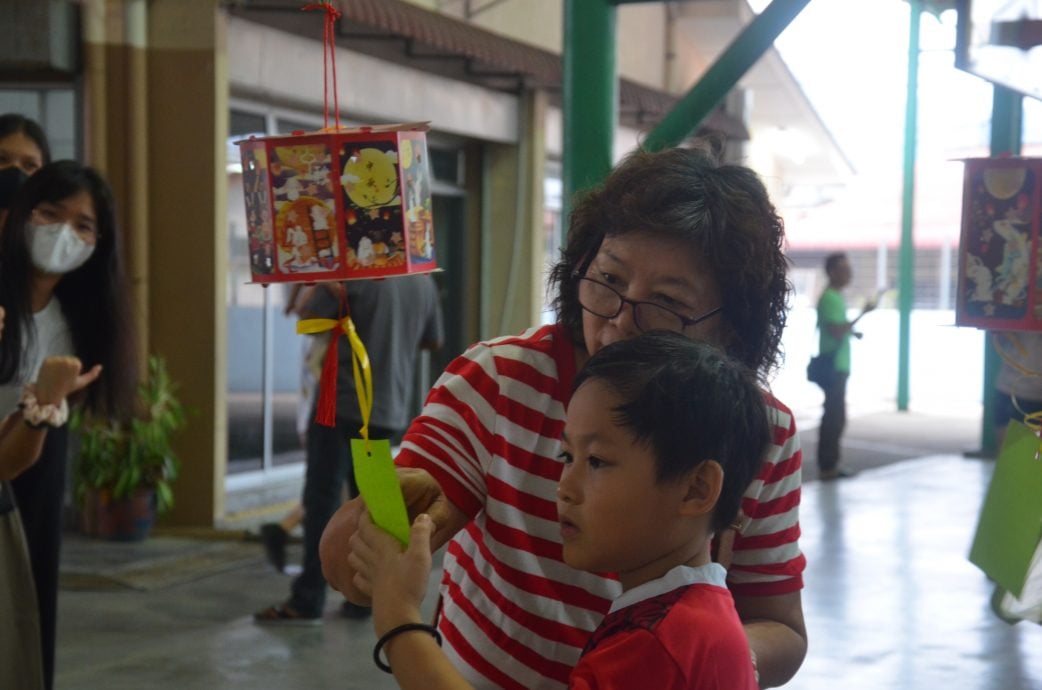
[188,112]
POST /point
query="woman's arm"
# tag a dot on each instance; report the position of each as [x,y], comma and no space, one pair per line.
[777,635]
[767,556]
[397,583]
[21,444]
[422,494]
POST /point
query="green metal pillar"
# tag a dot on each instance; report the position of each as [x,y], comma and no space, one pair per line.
[590,97]
[906,264]
[721,77]
[1007,109]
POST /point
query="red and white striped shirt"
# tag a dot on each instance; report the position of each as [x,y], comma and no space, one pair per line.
[513,614]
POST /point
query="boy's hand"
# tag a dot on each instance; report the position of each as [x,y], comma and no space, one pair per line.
[396,580]
[59,377]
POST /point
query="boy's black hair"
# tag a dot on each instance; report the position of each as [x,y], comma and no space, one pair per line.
[833,259]
[13,123]
[94,298]
[689,402]
[721,211]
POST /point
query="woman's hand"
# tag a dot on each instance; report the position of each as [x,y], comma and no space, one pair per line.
[396,580]
[423,495]
[60,377]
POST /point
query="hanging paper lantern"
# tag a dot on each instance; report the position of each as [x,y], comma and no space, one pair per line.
[339,205]
[1000,281]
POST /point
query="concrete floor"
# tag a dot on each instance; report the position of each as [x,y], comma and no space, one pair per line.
[891,601]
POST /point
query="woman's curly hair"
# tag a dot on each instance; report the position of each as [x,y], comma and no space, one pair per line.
[721,211]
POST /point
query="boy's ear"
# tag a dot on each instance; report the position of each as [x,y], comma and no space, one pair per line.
[704,484]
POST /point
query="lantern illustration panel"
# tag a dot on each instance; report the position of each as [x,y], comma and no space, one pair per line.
[1000,284]
[352,203]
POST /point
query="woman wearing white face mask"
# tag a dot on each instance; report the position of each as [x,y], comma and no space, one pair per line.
[63,291]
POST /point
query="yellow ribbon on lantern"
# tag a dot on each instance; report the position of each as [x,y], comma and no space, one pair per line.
[359,361]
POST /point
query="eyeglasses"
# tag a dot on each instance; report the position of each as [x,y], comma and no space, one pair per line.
[45,214]
[606,302]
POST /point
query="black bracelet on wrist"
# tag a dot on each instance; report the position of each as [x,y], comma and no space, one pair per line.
[386,637]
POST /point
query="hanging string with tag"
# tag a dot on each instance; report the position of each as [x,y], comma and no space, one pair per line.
[371,460]
[328,58]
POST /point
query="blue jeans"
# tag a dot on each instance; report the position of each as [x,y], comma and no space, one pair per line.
[328,467]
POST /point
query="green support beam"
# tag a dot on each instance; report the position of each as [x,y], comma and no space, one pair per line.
[590,98]
[906,262]
[721,77]
[1007,111]
[590,93]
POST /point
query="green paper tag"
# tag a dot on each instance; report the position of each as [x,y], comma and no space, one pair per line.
[1010,523]
[378,483]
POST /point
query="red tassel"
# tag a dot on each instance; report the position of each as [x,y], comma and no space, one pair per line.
[325,411]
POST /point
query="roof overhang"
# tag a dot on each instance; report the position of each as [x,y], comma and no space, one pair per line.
[404,33]
[781,118]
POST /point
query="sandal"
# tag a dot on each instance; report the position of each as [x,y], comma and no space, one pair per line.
[283,614]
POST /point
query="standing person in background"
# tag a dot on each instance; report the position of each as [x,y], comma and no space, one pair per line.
[64,293]
[275,535]
[673,240]
[23,151]
[395,319]
[835,339]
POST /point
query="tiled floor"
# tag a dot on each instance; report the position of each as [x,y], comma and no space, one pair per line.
[890,599]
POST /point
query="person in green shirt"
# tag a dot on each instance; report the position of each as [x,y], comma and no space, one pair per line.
[835,338]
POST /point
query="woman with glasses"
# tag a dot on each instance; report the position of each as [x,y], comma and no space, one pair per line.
[673,240]
[63,293]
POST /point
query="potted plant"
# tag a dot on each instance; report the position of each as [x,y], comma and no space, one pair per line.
[124,470]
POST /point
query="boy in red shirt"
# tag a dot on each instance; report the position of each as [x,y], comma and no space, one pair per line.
[662,437]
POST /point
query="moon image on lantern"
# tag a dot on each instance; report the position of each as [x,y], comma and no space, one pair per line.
[1004,182]
[371,177]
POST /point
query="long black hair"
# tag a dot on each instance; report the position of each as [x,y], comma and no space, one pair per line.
[93,298]
[721,211]
[13,123]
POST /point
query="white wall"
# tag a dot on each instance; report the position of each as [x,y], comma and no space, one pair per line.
[282,68]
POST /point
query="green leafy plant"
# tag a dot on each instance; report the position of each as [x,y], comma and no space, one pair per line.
[123,457]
